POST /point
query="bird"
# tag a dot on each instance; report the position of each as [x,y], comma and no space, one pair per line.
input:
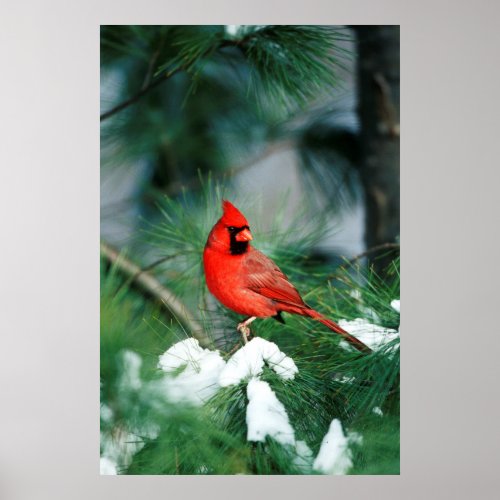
[249,283]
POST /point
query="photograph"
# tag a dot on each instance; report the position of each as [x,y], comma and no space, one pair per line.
[249,249]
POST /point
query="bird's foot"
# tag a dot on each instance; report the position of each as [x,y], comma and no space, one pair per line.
[244,329]
[245,332]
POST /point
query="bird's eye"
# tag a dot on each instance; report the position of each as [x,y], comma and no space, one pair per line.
[231,228]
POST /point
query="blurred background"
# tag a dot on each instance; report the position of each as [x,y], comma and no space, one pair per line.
[306,113]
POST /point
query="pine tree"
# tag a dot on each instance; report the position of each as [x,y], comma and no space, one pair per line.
[190,96]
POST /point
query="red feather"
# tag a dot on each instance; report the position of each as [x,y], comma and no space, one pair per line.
[250,283]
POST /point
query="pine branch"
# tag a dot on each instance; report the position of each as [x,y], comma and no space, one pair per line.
[290,61]
[132,100]
[153,287]
[156,82]
[376,248]
[294,63]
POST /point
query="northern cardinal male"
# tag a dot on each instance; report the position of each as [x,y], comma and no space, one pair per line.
[249,283]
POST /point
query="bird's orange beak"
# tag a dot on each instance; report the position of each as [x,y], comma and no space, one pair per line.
[244,235]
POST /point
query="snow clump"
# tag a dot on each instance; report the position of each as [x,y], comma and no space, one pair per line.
[198,380]
[249,361]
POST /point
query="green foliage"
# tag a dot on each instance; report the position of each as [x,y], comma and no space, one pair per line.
[332,382]
[289,65]
[128,322]
[193,45]
[220,98]
[292,64]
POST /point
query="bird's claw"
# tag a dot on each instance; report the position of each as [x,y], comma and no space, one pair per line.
[245,332]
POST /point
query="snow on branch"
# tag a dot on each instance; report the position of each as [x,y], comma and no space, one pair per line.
[198,381]
[107,467]
[266,415]
[335,456]
[130,378]
[194,374]
[374,336]
[249,361]
[395,304]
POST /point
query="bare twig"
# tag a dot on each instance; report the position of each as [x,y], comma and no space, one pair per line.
[152,286]
[153,84]
[235,348]
[161,261]
[376,248]
[136,97]
[132,278]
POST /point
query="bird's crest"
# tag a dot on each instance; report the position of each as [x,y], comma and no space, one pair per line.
[232,216]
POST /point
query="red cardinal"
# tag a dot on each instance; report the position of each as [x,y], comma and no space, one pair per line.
[248,282]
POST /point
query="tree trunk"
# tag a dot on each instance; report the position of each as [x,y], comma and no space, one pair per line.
[378,97]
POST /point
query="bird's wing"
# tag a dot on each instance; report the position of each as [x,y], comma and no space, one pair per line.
[266,278]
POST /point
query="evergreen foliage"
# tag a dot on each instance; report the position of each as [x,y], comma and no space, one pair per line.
[332,382]
[211,95]
[217,97]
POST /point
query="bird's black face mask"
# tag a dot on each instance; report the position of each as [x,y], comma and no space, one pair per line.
[237,247]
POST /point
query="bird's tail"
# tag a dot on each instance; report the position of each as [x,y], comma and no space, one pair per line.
[360,346]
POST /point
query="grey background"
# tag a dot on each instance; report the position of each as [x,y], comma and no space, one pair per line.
[49,288]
